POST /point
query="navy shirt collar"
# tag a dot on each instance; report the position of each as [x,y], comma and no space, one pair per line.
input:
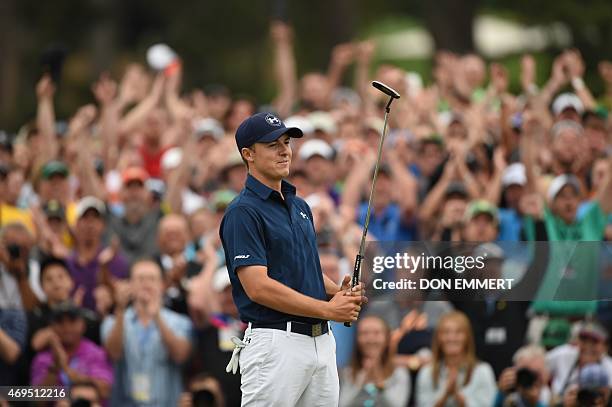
[264,191]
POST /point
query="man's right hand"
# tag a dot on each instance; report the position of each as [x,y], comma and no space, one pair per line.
[344,307]
[507,380]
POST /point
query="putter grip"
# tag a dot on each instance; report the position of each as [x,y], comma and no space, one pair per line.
[355,279]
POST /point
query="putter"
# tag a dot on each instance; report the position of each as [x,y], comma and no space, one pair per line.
[392,93]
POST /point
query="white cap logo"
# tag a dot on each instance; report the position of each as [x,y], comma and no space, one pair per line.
[273,120]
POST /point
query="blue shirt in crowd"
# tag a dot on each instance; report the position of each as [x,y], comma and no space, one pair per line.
[260,228]
[388,226]
[146,375]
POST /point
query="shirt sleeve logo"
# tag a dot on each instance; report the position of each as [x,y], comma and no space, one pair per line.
[303,215]
[242,256]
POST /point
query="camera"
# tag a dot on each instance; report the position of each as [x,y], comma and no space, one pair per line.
[14,251]
[588,397]
[204,398]
[525,378]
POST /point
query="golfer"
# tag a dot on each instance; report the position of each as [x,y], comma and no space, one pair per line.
[287,357]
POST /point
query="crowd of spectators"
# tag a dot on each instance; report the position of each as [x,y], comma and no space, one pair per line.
[112,277]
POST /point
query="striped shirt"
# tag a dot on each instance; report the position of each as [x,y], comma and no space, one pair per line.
[146,375]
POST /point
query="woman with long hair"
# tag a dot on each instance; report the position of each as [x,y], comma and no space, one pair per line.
[454,377]
[372,379]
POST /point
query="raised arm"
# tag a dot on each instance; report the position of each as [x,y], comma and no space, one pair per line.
[139,113]
[90,182]
[532,130]
[45,118]
[557,80]
[575,70]
[284,66]
[341,57]
[404,181]
[494,188]
[604,193]
[105,90]
[364,53]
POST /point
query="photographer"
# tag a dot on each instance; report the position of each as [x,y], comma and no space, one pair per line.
[524,384]
[593,389]
[14,246]
[567,362]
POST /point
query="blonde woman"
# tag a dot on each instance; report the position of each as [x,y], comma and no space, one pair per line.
[454,377]
[372,379]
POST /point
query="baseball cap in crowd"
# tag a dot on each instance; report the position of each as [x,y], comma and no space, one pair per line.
[301,122]
[66,309]
[208,127]
[221,199]
[433,138]
[132,174]
[221,279]
[87,203]
[592,330]
[559,182]
[323,121]
[593,376]
[53,209]
[263,128]
[456,188]
[315,147]
[564,125]
[171,158]
[481,206]
[375,124]
[556,332]
[514,174]
[565,101]
[52,168]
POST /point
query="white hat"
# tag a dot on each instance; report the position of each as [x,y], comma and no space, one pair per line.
[557,184]
[514,174]
[221,279]
[566,101]
[159,56]
[301,122]
[323,121]
[208,126]
[171,158]
[316,147]
[87,203]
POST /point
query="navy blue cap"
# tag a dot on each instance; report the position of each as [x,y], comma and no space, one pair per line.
[263,128]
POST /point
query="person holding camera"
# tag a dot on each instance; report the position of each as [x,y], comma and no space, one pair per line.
[593,388]
[524,384]
[566,362]
[15,241]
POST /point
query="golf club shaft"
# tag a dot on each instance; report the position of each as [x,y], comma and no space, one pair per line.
[357,267]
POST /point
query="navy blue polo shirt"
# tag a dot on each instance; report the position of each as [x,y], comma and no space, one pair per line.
[260,228]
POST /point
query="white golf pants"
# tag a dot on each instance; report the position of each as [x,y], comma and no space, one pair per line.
[285,369]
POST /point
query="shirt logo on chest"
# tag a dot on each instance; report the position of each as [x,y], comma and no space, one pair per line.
[303,215]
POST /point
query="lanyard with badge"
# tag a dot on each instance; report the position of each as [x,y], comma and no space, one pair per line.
[141,379]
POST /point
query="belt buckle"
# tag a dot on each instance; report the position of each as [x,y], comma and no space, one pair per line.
[317,330]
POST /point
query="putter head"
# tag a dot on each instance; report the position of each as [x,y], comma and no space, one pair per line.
[387,90]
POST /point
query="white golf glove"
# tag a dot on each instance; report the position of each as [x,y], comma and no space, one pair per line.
[232,366]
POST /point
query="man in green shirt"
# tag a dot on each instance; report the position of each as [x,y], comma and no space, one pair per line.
[571,281]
